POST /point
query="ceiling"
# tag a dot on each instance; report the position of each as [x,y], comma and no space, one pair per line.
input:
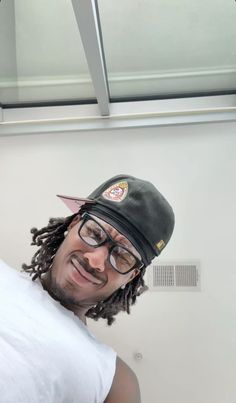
[82,52]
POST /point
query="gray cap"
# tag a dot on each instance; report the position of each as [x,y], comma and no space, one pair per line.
[135,208]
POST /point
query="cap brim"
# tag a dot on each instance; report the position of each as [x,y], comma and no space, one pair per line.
[74,203]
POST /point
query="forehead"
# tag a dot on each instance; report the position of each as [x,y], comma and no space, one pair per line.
[117,236]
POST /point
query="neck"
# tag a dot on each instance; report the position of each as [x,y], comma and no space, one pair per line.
[78,310]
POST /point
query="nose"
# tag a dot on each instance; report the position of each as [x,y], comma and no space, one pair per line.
[97,257]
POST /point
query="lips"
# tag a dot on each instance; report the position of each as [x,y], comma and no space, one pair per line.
[89,277]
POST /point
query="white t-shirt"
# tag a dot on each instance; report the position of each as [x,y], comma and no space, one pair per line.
[47,354]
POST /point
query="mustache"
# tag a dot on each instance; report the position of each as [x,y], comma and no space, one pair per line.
[86,266]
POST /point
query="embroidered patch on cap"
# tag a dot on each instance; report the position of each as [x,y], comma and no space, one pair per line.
[116,192]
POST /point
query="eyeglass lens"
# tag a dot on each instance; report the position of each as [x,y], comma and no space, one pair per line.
[94,235]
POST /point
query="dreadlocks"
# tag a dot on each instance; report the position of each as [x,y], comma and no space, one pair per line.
[49,239]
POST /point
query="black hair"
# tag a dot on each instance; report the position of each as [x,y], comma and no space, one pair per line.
[48,239]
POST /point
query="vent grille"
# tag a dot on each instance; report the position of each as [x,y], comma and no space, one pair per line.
[163,276]
[186,275]
[181,276]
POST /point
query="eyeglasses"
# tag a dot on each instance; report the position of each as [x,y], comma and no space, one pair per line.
[120,258]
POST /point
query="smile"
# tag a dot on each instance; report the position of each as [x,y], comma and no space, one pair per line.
[84,274]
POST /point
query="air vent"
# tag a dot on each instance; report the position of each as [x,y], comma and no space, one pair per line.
[174,276]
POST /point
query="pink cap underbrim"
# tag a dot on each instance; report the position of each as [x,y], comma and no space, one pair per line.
[74,203]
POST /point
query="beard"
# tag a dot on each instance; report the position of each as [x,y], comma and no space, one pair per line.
[59,293]
[64,295]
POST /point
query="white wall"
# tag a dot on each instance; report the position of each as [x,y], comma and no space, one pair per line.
[188,340]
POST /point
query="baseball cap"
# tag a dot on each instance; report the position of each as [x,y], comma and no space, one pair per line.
[135,208]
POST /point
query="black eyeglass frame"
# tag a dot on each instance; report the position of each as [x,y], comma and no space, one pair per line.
[138,263]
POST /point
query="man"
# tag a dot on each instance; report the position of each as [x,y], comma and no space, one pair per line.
[90,264]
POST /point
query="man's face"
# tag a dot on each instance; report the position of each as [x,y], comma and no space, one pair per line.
[82,275]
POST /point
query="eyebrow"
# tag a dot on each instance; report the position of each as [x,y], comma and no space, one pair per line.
[122,239]
[110,230]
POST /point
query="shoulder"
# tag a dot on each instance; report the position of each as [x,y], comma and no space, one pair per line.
[125,387]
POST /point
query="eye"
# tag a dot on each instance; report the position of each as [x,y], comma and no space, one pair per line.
[97,234]
[123,256]
[92,233]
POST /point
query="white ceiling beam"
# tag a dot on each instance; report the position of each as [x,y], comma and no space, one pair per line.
[89,26]
[75,118]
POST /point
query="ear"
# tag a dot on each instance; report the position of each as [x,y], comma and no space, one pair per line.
[75,221]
